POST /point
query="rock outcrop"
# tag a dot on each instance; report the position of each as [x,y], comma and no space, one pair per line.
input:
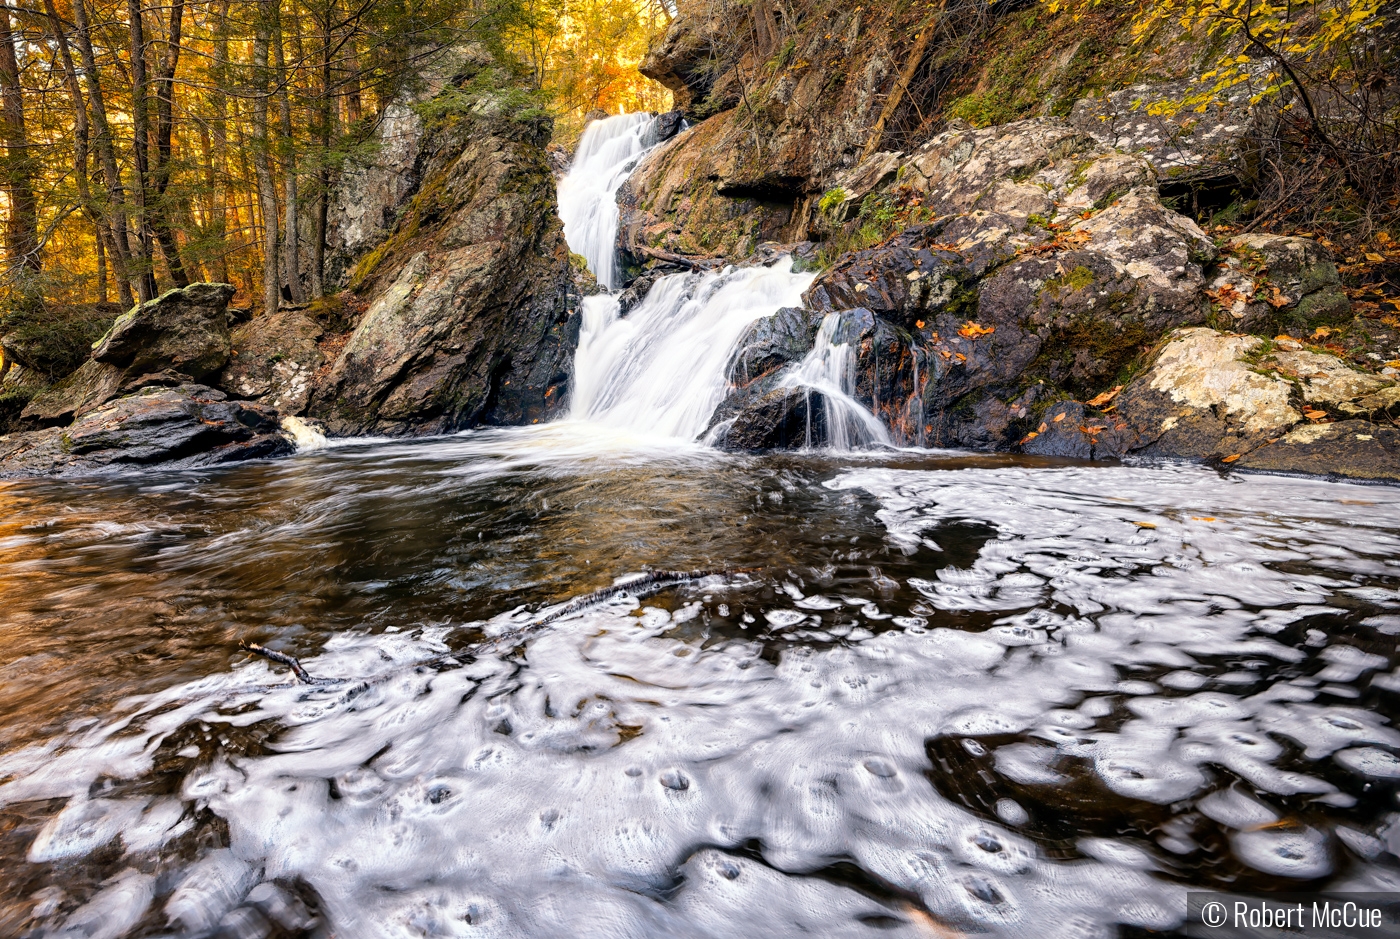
[1261,404]
[187,425]
[139,401]
[180,335]
[1049,265]
[466,317]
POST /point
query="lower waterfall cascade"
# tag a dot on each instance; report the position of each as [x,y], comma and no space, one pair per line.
[662,369]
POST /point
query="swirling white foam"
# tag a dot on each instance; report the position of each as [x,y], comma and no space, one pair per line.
[597,780]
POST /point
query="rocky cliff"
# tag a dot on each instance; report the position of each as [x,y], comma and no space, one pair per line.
[1033,284]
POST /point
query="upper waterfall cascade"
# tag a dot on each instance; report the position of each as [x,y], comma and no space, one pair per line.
[607,154]
[662,369]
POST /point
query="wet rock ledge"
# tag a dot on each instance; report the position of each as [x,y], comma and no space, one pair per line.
[148,395]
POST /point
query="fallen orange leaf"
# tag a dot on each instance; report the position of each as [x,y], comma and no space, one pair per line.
[1059,417]
[1145,524]
[970,330]
[918,324]
[1202,518]
[1104,398]
[1231,458]
[1043,427]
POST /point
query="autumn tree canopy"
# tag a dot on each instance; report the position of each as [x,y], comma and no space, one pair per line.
[147,145]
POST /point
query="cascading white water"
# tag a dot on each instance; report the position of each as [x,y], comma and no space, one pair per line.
[662,370]
[830,370]
[607,154]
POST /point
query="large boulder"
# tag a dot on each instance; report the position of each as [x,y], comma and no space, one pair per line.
[467,318]
[182,335]
[188,425]
[1262,405]
[184,330]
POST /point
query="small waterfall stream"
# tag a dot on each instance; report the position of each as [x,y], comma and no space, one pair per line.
[608,153]
[661,370]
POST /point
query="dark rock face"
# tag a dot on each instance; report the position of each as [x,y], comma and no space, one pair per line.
[1349,449]
[468,300]
[772,343]
[188,425]
[135,403]
[781,419]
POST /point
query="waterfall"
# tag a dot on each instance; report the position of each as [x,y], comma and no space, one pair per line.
[663,369]
[830,370]
[607,154]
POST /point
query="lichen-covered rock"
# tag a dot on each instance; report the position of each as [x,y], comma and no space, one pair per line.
[1273,283]
[1181,143]
[189,425]
[1200,398]
[377,182]
[275,358]
[1259,405]
[468,299]
[184,330]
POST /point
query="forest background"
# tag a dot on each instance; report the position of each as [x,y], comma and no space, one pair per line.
[148,145]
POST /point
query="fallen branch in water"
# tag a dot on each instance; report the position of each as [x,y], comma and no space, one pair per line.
[644,586]
[290,661]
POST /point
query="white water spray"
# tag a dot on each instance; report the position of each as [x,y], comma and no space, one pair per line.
[607,154]
[661,370]
[830,370]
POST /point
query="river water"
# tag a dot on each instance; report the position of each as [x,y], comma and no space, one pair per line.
[908,693]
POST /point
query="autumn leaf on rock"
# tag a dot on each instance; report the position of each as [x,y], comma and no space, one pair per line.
[1231,458]
[1059,417]
[1106,397]
[971,330]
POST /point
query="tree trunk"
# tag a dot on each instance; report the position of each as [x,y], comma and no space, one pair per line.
[115,210]
[101,237]
[291,228]
[22,224]
[325,118]
[142,246]
[218,129]
[165,128]
[267,190]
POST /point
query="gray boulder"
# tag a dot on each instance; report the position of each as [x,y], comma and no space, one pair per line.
[183,330]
